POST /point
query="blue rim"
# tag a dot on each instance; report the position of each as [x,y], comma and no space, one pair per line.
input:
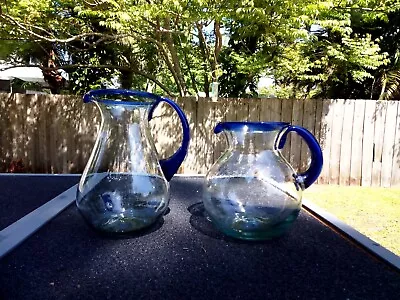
[101,94]
[251,126]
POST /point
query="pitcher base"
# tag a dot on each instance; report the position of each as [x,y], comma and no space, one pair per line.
[254,229]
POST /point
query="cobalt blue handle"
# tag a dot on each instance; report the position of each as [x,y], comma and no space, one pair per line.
[309,176]
[171,165]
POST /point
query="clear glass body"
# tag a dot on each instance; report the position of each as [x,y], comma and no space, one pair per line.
[250,192]
[123,188]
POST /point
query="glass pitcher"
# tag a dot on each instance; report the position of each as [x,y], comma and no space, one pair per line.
[252,192]
[124,186]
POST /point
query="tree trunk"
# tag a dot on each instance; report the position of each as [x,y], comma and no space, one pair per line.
[174,55]
[217,48]
[205,53]
[165,56]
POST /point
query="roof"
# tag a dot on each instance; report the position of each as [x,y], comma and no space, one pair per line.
[30,74]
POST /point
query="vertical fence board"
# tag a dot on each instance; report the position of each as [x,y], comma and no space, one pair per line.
[78,160]
[190,108]
[287,108]
[265,110]
[357,139]
[395,176]
[59,136]
[199,146]
[74,160]
[317,127]
[53,141]
[7,142]
[82,138]
[318,118]
[242,110]
[34,132]
[379,116]
[20,132]
[296,142]
[325,138]
[39,136]
[254,110]
[276,110]
[69,141]
[43,102]
[346,143]
[368,143]
[309,124]
[84,135]
[209,124]
[230,111]
[62,138]
[254,116]
[388,142]
[46,120]
[29,138]
[337,128]
[14,127]
[219,116]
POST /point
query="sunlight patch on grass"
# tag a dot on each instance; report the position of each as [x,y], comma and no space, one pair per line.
[375,212]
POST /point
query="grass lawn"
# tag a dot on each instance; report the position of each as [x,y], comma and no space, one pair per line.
[375,212]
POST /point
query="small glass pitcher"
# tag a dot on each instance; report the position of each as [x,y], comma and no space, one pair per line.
[252,192]
[124,186]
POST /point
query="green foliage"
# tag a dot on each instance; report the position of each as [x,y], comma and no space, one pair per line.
[390,79]
[387,33]
[177,46]
[325,69]
[334,61]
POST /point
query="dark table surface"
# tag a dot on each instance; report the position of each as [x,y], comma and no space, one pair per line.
[22,194]
[182,257]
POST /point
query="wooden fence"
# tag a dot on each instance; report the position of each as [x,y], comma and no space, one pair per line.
[360,138]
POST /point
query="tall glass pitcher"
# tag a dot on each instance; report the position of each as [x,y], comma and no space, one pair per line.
[252,192]
[124,186]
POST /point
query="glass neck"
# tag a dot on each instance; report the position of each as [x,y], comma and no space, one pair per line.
[125,141]
[252,142]
[123,114]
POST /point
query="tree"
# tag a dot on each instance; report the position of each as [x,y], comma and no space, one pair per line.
[155,36]
[386,31]
[312,49]
[177,45]
[335,60]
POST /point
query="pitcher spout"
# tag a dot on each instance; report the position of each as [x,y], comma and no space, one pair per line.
[121,97]
[252,136]
[250,126]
